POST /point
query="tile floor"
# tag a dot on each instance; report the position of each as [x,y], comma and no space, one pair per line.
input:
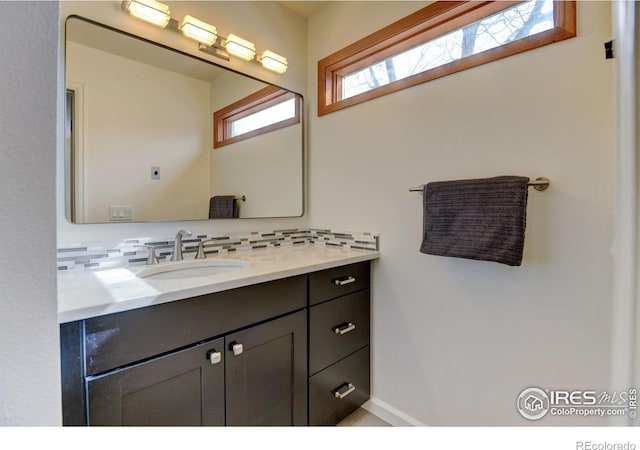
[362,418]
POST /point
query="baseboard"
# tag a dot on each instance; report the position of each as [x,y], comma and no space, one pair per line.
[391,415]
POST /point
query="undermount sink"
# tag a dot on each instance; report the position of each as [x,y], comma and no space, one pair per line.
[191,269]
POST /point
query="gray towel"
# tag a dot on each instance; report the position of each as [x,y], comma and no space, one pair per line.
[222,207]
[481,219]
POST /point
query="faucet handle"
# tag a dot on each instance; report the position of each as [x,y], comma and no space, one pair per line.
[200,253]
[152,258]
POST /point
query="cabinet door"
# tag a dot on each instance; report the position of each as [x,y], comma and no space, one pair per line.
[266,373]
[183,388]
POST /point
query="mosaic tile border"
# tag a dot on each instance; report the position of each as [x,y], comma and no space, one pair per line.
[103,254]
[360,240]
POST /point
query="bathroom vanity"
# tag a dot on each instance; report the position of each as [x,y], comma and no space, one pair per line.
[286,344]
[278,332]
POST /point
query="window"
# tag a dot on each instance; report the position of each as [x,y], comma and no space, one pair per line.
[263,118]
[441,39]
[266,110]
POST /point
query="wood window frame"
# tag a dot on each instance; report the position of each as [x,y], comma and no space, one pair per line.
[424,25]
[256,102]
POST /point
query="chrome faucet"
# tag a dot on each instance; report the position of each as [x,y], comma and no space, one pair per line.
[177,245]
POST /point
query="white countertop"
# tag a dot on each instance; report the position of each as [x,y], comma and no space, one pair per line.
[95,292]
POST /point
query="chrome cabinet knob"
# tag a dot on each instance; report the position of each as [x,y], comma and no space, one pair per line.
[237,348]
[214,357]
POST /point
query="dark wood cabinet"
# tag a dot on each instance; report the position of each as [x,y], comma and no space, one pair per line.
[116,340]
[339,389]
[338,328]
[261,355]
[256,376]
[267,378]
[339,367]
[183,388]
[332,283]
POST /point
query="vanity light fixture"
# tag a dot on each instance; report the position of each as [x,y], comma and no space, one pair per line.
[198,30]
[205,34]
[240,47]
[273,61]
[148,10]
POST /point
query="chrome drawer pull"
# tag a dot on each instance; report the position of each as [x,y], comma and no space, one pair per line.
[344,390]
[214,356]
[342,281]
[344,329]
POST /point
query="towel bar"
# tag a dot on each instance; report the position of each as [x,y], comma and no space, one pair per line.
[539,184]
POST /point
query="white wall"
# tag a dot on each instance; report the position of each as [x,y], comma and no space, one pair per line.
[127,108]
[455,341]
[266,169]
[29,346]
[268,24]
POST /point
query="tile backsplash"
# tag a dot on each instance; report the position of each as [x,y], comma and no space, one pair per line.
[104,254]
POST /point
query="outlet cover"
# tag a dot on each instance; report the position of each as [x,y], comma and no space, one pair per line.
[120,213]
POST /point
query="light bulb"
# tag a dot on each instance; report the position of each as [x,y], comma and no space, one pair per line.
[198,30]
[240,47]
[150,11]
[273,61]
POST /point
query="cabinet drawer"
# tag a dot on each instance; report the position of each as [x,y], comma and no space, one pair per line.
[338,281]
[338,328]
[340,389]
[123,338]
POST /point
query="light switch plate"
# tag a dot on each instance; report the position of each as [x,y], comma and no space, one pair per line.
[155,173]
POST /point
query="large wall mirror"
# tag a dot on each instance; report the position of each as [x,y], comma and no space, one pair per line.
[140,135]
